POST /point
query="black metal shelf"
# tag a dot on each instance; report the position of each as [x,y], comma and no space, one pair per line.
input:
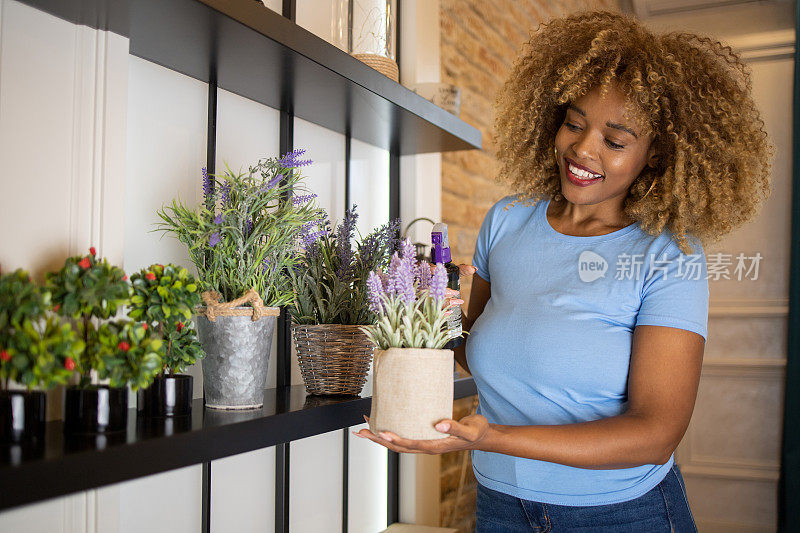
[64,465]
[256,53]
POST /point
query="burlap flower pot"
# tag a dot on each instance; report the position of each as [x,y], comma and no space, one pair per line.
[412,390]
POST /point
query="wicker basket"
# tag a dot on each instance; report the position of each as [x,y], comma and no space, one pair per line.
[384,65]
[334,358]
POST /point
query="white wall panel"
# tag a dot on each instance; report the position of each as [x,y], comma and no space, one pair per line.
[165,502]
[167,125]
[246,131]
[367,483]
[243,493]
[326,176]
[369,184]
[315,485]
[318,17]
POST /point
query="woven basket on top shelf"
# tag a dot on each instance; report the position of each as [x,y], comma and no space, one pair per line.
[384,65]
[334,358]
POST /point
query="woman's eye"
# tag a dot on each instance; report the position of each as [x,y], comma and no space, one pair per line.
[572,127]
[614,145]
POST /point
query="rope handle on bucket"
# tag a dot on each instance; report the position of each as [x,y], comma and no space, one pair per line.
[215,307]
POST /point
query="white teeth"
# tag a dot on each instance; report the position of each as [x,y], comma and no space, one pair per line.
[582,173]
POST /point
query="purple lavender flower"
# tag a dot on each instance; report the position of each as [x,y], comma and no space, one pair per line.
[219,219]
[423,274]
[265,265]
[438,282]
[214,240]
[375,292]
[344,250]
[407,251]
[378,245]
[208,184]
[390,283]
[273,182]
[402,279]
[225,192]
[292,159]
[248,229]
[384,281]
[297,200]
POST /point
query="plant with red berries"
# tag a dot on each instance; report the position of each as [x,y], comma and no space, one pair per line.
[90,291]
[36,350]
[126,354]
[163,297]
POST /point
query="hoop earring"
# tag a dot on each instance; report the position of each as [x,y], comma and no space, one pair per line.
[650,189]
[555,152]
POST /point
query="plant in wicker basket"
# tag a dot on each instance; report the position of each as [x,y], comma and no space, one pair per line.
[330,283]
[242,241]
[413,375]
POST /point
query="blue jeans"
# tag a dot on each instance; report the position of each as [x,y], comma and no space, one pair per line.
[664,508]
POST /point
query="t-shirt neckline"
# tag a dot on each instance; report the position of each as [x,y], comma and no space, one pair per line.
[576,238]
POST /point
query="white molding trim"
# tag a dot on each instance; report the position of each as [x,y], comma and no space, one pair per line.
[778,44]
[732,472]
[744,367]
[751,308]
[701,465]
[651,8]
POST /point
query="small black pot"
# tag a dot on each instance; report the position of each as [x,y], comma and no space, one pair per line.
[22,416]
[167,396]
[95,409]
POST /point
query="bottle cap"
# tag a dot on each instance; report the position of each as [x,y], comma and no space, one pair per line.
[441,244]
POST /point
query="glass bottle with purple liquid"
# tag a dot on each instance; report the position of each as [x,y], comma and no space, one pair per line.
[440,253]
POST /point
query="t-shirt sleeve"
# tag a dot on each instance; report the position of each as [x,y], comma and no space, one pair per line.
[480,259]
[675,290]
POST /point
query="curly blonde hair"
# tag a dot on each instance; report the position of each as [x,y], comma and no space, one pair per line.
[692,93]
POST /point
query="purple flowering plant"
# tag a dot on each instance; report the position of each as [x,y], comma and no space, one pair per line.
[330,281]
[244,233]
[409,301]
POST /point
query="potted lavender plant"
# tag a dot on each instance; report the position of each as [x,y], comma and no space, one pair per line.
[117,352]
[242,241]
[37,352]
[330,284]
[163,299]
[412,374]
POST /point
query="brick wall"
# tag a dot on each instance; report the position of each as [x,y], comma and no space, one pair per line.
[479,41]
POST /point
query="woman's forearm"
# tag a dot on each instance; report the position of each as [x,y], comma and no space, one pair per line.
[621,441]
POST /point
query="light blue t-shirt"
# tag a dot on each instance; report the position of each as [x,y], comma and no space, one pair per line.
[553,344]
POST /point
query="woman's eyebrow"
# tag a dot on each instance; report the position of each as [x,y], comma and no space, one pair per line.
[609,124]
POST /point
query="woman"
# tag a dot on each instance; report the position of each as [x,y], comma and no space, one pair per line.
[589,307]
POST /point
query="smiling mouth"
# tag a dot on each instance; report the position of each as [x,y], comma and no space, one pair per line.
[581,177]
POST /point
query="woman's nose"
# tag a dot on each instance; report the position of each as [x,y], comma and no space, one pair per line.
[585,148]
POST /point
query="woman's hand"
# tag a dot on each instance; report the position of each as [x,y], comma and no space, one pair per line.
[466,434]
[453,297]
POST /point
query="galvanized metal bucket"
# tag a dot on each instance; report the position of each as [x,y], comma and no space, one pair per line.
[237,357]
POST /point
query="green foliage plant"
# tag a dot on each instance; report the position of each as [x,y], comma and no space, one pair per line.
[245,234]
[36,350]
[163,299]
[330,280]
[90,291]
